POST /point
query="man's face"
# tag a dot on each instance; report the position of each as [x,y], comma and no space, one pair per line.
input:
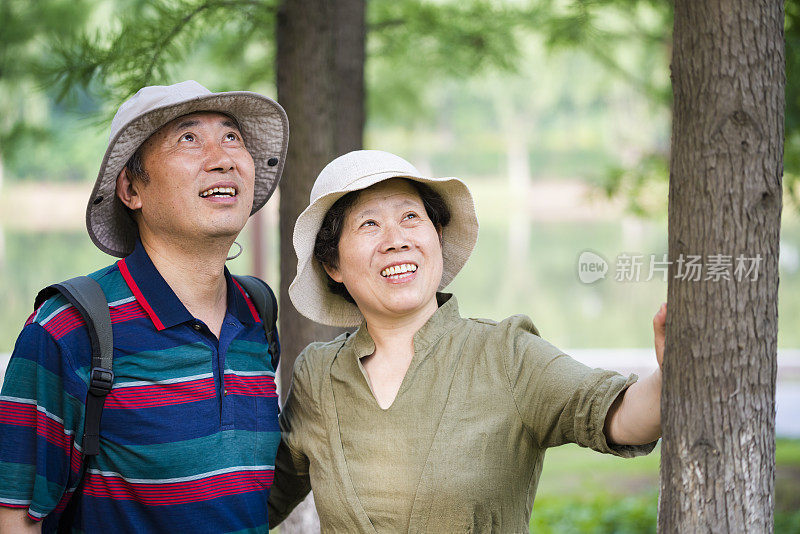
[201,180]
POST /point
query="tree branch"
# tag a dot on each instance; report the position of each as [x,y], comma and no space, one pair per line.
[186,19]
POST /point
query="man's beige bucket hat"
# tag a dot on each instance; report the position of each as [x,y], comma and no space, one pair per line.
[263,124]
[352,172]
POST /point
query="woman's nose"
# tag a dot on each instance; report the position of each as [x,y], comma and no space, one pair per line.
[395,239]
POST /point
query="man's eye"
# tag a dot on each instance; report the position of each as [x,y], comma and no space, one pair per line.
[187,137]
[231,136]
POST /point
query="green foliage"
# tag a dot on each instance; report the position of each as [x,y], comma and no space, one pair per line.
[604,514]
[600,514]
[28,29]
[410,41]
[586,493]
[643,185]
[151,38]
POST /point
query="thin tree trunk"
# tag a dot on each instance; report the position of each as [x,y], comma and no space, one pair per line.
[718,404]
[320,71]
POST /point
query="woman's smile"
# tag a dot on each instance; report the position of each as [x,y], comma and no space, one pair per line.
[400,272]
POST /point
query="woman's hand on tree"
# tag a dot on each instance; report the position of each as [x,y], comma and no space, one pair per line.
[659,331]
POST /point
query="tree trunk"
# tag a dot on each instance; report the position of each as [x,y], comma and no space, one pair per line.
[320,71]
[718,403]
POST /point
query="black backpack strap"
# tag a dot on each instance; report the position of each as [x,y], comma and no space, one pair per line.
[267,307]
[88,298]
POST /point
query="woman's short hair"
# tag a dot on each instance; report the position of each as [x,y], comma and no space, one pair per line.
[326,246]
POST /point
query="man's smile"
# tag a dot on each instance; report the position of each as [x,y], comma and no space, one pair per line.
[219,192]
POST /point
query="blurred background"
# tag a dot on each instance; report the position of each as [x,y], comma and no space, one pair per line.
[556,114]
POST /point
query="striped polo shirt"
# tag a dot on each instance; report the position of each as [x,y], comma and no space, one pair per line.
[189,431]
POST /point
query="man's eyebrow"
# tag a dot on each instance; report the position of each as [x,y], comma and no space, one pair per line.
[190,123]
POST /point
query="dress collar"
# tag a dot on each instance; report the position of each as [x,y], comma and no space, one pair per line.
[442,320]
[161,303]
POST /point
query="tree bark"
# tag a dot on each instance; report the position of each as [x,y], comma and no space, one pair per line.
[320,68]
[320,78]
[718,401]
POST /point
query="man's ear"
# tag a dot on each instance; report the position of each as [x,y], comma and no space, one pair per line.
[127,190]
[333,272]
[439,231]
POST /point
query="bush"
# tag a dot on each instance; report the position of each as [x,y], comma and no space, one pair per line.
[599,515]
[610,515]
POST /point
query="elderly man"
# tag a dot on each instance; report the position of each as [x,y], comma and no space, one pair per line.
[189,430]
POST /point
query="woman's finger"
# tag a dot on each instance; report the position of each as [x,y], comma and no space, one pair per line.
[659,331]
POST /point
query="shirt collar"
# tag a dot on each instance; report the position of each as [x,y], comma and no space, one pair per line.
[161,303]
[442,320]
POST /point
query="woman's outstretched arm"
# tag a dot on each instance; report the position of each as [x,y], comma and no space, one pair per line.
[635,417]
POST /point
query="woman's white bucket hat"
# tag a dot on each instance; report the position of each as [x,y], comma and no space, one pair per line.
[352,172]
[263,124]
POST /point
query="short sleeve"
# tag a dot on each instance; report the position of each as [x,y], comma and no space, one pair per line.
[292,483]
[559,399]
[41,416]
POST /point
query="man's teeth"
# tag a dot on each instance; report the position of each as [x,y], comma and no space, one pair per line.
[222,191]
[399,269]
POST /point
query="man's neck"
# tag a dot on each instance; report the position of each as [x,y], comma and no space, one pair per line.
[196,274]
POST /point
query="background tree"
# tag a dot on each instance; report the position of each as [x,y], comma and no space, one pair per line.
[718,402]
[320,67]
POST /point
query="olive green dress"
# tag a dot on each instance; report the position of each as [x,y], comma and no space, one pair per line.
[461,447]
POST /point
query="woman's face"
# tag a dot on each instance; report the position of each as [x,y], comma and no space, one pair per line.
[390,254]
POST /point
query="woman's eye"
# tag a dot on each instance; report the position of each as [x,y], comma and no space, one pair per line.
[369,223]
[411,215]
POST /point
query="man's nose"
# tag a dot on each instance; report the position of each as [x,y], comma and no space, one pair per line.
[218,159]
[395,239]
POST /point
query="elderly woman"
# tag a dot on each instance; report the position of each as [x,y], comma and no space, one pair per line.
[421,420]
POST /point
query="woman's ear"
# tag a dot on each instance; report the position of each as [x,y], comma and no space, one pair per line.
[333,272]
[127,190]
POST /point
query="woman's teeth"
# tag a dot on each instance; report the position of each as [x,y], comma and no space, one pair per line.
[398,269]
[219,191]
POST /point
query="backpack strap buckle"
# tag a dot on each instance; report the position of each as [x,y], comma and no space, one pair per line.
[100,381]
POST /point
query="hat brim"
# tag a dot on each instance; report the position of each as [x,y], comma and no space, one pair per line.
[264,127]
[309,290]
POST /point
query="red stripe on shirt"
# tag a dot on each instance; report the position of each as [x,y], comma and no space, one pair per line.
[64,323]
[203,489]
[252,386]
[250,305]
[151,395]
[126,312]
[18,414]
[126,274]
[62,504]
